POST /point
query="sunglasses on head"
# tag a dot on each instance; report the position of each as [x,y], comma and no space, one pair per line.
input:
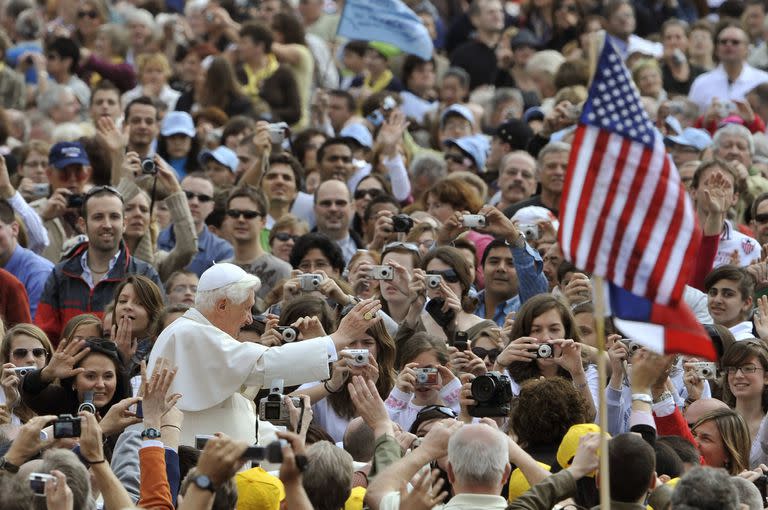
[248,215]
[89,14]
[99,189]
[447,411]
[449,275]
[37,352]
[201,197]
[285,236]
[101,343]
[482,353]
[362,193]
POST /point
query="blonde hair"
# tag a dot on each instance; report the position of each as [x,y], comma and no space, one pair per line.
[146,60]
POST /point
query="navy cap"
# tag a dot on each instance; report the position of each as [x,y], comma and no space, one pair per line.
[514,132]
[64,154]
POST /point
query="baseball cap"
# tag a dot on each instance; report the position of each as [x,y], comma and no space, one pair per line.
[258,490]
[178,123]
[570,443]
[68,153]
[223,155]
[518,483]
[532,214]
[357,133]
[533,113]
[386,50]
[457,110]
[524,37]
[475,146]
[673,124]
[691,137]
[514,132]
[225,274]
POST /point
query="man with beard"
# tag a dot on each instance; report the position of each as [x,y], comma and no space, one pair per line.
[552,163]
[333,210]
[517,178]
[86,281]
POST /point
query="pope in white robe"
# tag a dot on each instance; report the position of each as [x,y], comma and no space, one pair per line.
[218,376]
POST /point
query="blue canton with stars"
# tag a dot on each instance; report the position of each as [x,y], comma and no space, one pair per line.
[614,103]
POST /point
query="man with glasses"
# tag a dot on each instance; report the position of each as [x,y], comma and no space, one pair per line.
[246,216]
[733,78]
[210,247]
[86,281]
[333,210]
[759,221]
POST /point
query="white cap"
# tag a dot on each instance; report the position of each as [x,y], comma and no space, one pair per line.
[225,274]
[532,214]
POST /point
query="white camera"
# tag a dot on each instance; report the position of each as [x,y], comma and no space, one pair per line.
[530,231]
[383,273]
[433,281]
[310,282]
[277,132]
[473,220]
[358,357]
[705,369]
[37,482]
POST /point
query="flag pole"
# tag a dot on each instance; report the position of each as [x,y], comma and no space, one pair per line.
[605,495]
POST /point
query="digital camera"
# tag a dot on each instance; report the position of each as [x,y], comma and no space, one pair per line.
[473,220]
[277,132]
[37,482]
[433,281]
[493,394]
[273,452]
[66,425]
[530,231]
[273,409]
[310,282]
[148,166]
[288,333]
[383,273]
[426,377]
[75,201]
[87,404]
[632,347]
[705,369]
[358,357]
[544,351]
[402,223]
[22,371]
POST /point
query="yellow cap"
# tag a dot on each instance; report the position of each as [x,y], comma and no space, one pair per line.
[355,500]
[258,490]
[518,483]
[570,443]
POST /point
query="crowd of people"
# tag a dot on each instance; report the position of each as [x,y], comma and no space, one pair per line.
[248,263]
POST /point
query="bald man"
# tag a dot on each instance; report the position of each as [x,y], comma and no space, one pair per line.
[701,407]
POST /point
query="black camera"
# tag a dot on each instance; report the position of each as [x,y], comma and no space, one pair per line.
[402,223]
[75,201]
[37,482]
[288,333]
[273,452]
[66,425]
[461,341]
[493,393]
[87,404]
[148,166]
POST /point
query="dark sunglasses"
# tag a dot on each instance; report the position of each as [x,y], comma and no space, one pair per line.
[362,193]
[37,352]
[248,215]
[449,275]
[761,218]
[285,236]
[89,14]
[482,353]
[202,198]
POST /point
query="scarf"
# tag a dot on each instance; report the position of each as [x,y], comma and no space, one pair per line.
[255,78]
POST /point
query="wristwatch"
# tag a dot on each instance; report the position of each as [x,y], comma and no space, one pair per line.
[204,483]
[664,396]
[150,433]
[5,465]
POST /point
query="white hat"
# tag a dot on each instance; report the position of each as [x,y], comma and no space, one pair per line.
[223,275]
[532,214]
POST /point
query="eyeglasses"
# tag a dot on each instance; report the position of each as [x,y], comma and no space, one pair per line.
[285,236]
[248,215]
[362,193]
[201,197]
[89,14]
[401,245]
[427,244]
[761,218]
[482,353]
[732,42]
[745,369]
[37,352]
[329,203]
[446,411]
[449,275]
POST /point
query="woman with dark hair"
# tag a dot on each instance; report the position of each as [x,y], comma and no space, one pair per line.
[217,87]
[290,47]
[314,251]
[369,187]
[305,147]
[546,343]
[178,143]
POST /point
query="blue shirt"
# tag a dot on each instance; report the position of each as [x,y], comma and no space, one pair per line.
[531,281]
[210,249]
[32,270]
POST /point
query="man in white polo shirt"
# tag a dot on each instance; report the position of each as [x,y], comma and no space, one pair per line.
[733,78]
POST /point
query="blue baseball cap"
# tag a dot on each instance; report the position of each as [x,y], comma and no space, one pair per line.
[691,137]
[533,113]
[222,155]
[457,110]
[178,123]
[357,133]
[64,154]
[474,146]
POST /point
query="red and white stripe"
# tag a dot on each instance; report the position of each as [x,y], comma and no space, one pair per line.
[625,216]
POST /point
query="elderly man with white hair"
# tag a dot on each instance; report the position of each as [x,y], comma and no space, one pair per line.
[218,376]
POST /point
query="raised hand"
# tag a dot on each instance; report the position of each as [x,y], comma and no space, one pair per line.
[155,399]
[425,494]
[10,383]
[364,315]
[761,318]
[309,327]
[520,349]
[62,364]
[391,132]
[369,405]
[107,132]
[119,417]
[122,335]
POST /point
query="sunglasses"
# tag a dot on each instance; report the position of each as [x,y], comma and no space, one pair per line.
[482,353]
[761,218]
[732,42]
[401,245]
[362,193]
[37,352]
[202,198]
[285,236]
[248,215]
[89,14]
[449,275]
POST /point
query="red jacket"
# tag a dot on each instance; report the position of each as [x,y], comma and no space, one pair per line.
[14,303]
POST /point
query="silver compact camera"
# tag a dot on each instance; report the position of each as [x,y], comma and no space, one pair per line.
[632,347]
[426,376]
[383,273]
[433,281]
[530,231]
[277,132]
[22,371]
[273,408]
[705,369]
[473,220]
[310,282]
[288,333]
[544,351]
[37,482]
[357,357]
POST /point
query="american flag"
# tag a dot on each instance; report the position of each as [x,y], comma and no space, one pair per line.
[624,214]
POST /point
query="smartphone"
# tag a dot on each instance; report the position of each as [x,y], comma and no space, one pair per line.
[461,341]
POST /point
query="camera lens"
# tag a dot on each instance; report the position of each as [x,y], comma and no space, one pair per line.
[483,388]
[148,166]
[545,351]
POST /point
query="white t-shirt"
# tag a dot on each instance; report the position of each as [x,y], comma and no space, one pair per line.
[731,240]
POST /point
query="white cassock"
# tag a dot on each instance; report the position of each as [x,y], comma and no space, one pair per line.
[218,376]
